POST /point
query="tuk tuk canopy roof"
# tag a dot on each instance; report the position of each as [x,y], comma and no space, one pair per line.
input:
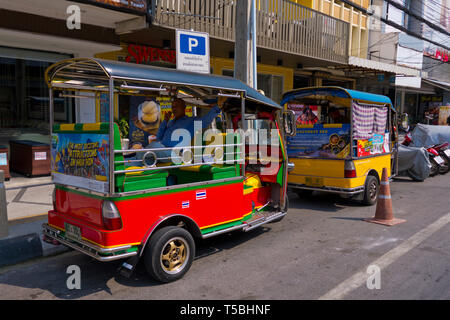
[94,72]
[336,92]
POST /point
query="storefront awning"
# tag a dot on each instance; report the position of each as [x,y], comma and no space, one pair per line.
[385,67]
[439,84]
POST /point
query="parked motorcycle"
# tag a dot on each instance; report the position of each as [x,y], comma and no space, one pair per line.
[437,162]
[444,152]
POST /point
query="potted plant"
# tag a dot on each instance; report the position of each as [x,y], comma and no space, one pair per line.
[124,129]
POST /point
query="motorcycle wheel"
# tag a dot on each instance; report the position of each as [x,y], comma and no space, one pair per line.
[434,169]
[443,169]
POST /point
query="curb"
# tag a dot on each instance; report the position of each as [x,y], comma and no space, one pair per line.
[26,247]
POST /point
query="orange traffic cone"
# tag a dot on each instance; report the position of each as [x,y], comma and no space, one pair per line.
[384,213]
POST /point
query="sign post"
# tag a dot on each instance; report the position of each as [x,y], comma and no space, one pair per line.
[192,51]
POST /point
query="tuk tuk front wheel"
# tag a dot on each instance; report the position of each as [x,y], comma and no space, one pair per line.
[169,254]
[371,190]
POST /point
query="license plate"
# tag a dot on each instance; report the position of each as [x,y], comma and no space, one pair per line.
[439,160]
[72,232]
[314,182]
[447,152]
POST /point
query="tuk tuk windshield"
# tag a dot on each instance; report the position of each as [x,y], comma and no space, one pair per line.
[323,127]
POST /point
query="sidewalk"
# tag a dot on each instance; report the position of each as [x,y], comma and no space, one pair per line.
[28,201]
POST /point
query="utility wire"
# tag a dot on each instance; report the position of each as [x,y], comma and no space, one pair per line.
[421,19]
[395,25]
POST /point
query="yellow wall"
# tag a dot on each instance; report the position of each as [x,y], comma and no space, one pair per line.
[219,64]
[358,36]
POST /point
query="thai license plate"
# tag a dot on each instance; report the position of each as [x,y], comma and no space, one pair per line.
[72,232]
[314,182]
[447,152]
[439,160]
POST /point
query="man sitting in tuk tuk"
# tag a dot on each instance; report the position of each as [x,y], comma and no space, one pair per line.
[164,136]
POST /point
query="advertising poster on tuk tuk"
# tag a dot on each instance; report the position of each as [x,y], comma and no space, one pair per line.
[321,141]
[81,160]
[146,114]
[305,114]
[378,144]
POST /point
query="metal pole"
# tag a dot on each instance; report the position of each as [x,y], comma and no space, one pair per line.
[3,209]
[244,129]
[254,66]
[111,136]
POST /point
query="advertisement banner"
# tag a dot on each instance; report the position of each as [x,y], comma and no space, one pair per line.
[304,114]
[81,160]
[320,141]
[444,116]
[146,114]
[376,145]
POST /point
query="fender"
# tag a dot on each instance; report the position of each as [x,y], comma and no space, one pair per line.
[157,223]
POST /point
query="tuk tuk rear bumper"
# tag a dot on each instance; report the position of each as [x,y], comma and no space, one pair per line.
[348,191]
[96,252]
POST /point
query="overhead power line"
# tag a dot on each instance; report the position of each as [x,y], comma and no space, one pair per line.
[419,18]
[395,25]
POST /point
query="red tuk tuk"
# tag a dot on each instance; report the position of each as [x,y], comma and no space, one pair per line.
[110,205]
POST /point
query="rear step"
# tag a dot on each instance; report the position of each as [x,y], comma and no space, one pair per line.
[262,218]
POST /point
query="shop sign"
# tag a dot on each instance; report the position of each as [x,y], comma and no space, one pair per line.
[437,54]
[132,6]
[145,54]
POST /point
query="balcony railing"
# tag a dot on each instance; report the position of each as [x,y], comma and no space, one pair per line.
[281,25]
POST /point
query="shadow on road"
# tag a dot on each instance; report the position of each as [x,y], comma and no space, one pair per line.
[321,202]
[204,248]
[49,276]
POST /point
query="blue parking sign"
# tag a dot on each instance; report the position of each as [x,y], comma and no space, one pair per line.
[191,44]
[192,51]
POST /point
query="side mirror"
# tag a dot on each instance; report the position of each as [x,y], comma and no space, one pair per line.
[287,118]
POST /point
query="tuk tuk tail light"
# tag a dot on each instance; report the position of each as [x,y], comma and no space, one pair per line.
[349,169]
[111,216]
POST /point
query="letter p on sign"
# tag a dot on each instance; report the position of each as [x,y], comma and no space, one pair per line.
[191,44]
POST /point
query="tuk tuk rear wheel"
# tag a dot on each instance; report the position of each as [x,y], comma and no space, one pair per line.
[371,190]
[169,254]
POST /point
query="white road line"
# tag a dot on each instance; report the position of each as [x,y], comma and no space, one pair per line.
[385,260]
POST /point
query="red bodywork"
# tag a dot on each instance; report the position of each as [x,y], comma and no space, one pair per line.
[140,214]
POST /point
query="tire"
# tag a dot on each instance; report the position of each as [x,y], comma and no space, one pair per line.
[434,168]
[371,190]
[443,169]
[169,254]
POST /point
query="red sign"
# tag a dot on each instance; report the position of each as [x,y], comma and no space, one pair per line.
[145,54]
[441,55]
[437,54]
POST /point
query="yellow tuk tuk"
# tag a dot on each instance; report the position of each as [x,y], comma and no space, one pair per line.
[344,139]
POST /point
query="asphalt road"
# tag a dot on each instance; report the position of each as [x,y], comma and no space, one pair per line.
[321,249]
